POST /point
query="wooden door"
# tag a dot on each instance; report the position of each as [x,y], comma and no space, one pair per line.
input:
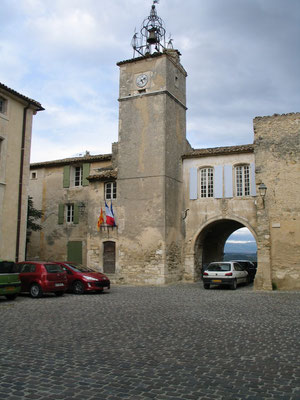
[109,257]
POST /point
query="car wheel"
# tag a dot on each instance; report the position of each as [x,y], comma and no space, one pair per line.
[78,287]
[10,296]
[35,290]
[206,285]
[58,294]
[234,285]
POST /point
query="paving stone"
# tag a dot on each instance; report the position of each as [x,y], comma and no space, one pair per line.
[178,342]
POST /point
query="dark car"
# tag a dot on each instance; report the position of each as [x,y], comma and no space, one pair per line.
[82,279]
[38,277]
[10,284]
[248,266]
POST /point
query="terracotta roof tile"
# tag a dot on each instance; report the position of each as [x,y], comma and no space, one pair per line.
[245,148]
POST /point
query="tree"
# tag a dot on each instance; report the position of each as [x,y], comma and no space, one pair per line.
[32,215]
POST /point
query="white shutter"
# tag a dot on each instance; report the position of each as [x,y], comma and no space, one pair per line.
[228,184]
[193,184]
[252,180]
[218,182]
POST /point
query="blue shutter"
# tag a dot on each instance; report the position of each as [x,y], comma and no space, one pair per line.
[193,184]
[252,180]
[218,182]
[228,184]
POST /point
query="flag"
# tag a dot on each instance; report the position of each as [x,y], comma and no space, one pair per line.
[110,218]
[100,220]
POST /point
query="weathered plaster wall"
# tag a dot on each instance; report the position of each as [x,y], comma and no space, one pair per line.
[277,154]
[11,125]
[48,192]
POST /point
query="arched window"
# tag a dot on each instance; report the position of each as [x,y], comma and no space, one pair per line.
[206,182]
[242,180]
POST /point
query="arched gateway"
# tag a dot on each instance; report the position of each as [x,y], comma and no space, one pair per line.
[209,241]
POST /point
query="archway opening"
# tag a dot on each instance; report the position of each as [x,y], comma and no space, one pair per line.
[215,239]
[241,245]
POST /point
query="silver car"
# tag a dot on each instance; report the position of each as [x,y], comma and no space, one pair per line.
[224,273]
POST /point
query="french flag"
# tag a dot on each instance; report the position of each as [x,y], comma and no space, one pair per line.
[110,218]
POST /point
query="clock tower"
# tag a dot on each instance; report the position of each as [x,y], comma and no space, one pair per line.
[152,139]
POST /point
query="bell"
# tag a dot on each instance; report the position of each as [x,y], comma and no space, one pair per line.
[152,39]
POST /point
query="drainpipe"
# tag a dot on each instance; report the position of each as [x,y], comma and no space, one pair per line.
[21,182]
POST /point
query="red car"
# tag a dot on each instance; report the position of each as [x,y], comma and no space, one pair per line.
[82,279]
[38,277]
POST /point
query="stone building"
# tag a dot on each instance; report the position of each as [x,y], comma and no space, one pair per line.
[16,114]
[175,206]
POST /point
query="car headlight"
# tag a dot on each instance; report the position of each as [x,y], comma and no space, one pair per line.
[89,278]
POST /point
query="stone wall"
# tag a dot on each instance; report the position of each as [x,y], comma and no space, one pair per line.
[277,155]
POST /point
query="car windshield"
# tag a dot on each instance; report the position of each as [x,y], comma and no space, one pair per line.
[79,268]
[219,267]
[53,268]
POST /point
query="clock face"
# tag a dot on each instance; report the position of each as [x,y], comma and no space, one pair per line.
[142,80]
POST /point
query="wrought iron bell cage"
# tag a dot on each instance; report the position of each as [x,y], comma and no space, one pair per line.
[152,35]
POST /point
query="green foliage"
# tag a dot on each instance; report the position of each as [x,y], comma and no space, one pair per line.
[32,215]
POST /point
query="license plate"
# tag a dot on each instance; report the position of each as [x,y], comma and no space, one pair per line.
[59,284]
[217,280]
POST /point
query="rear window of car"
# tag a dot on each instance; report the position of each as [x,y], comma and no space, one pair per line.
[53,268]
[7,267]
[219,267]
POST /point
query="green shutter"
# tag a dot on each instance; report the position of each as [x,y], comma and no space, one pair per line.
[66,179]
[74,250]
[61,209]
[76,214]
[85,174]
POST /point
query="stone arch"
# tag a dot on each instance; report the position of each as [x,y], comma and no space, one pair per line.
[209,241]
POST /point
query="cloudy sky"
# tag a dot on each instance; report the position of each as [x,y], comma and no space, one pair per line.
[242,59]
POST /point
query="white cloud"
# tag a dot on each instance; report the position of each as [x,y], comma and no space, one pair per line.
[242,60]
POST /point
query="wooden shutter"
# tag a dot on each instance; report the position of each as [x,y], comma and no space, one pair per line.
[218,182]
[61,211]
[252,180]
[74,251]
[66,178]
[76,214]
[85,174]
[228,184]
[193,183]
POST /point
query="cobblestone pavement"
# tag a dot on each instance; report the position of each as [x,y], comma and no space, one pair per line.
[173,342]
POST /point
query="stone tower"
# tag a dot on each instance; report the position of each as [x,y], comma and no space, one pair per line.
[152,139]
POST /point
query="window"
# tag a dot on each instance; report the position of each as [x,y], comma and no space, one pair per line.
[70,213]
[206,182]
[3,105]
[78,176]
[242,176]
[110,190]
[33,175]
